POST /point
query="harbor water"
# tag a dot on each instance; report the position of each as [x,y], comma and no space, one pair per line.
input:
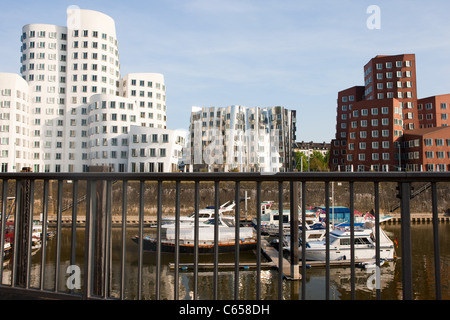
[340,279]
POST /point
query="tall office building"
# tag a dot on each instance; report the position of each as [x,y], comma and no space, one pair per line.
[372,119]
[238,138]
[78,108]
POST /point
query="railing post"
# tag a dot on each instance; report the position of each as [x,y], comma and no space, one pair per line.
[405,195]
[99,219]
[437,256]
[23,238]
[295,272]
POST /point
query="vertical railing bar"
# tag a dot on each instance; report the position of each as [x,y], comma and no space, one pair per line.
[196,241]
[303,184]
[280,240]
[405,194]
[58,234]
[44,233]
[352,240]
[90,206]
[141,239]
[3,223]
[258,240]
[437,263]
[294,233]
[327,240]
[108,222]
[237,221]
[73,239]
[158,241]
[124,236]
[216,239]
[18,208]
[177,241]
[377,238]
[74,222]
[30,233]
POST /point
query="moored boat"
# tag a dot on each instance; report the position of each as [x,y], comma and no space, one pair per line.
[270,219]
[204,214]
[206,237]
[340,248]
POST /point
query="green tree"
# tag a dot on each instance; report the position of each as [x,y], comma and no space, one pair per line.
[302,161]
[317,161]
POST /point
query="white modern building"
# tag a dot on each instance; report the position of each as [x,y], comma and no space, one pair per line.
[72,109]
[155,150]
[238,138]
[15,123]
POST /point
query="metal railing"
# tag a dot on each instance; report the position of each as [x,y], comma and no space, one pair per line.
[96,277]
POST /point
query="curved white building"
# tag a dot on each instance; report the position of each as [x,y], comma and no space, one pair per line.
[108,130]
[15,118]
[149,92]
[78,110]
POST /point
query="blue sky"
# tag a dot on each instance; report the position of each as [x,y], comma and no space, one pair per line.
[292,53]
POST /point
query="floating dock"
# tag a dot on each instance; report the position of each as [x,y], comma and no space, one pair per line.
[273,255]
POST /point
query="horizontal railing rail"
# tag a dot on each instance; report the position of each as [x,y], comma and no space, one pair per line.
[97,279]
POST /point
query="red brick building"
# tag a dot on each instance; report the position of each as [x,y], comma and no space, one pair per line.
[427,149]
[434,111]
[372,119]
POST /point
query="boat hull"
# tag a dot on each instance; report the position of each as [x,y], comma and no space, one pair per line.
[169,246]
[318,254]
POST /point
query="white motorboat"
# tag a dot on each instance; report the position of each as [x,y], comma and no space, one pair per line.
[313,232]
[203,214]
[270,219]
[339,247]
[206,237]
